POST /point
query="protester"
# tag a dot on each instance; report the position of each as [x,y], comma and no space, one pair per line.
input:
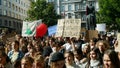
[23,45]
[5,61]
[92,44]
[69,60]
[55,48]
[85,49]
[15,54]
[17,37]
[110,59]
[58,52]
[39,62]
[38,48]
[102,46]
[67,46]
[27,62]
[78,56]
[57,60]
[17,64]
[94,60]
[31,53]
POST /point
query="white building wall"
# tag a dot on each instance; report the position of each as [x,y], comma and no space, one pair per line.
[23,5]
[13,12]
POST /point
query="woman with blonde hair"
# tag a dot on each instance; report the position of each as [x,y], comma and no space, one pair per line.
[27,62]
[39,61]
[102,47]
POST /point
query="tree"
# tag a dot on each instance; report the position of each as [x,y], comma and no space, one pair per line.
[110,13]
[43,10]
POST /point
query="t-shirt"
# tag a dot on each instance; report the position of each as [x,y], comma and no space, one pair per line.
[14,56]
[67,46]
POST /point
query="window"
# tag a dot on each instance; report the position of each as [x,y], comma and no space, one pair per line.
[76,7]
[83,16]
[61,0]
[19,9]
[0,21]
[49,0]
[69,7]
[10,23]
[20,25]
[17,24]
[0,2]
[76,15]
[5,3]
[13,14]
[5,12]
[16,8]
[63,8]
[19,1]
[0,11]
[24,4]
[6,23]
[69,15]
[10,13]
[14,24]
[13,6]
[9,4]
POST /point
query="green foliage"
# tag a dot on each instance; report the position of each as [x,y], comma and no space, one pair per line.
[110,13]
[43,10]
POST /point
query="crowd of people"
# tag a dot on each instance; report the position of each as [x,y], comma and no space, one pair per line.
[60,52]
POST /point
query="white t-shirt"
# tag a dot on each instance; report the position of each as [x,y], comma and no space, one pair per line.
[68,47]
[14,56]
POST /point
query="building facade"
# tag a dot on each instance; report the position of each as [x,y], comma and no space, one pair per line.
[12,13]
[73,8]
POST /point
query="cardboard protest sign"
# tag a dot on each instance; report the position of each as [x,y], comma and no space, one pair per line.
[72,28]
[117,48]
[91,34]
[69,27]
[60,26]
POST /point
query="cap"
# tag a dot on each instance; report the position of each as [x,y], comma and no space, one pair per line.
[57,57]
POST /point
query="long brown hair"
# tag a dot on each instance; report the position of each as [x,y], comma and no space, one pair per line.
[113,58]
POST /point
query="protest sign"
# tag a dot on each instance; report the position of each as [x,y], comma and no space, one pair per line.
[101,27]
[117,48]
[60,26]
[52,30]
[90,34]
[29,28]
[68,28]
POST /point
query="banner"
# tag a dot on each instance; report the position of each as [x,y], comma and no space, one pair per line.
[29,28]
[52,30]
[68,27]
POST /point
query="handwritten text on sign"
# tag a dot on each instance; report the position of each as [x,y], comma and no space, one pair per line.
[71,27]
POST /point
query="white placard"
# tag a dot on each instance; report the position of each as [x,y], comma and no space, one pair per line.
[101,27]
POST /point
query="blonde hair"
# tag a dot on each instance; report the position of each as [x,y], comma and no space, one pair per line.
[28,59]
[105,43]
[39,58]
